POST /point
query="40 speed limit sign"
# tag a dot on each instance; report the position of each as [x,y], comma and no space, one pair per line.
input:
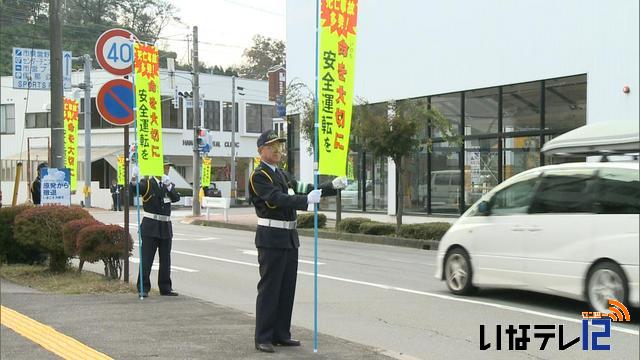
[114,51]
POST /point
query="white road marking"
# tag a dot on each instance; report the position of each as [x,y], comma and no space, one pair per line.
[195,239]
[423,293]
[255,253]
[156,267]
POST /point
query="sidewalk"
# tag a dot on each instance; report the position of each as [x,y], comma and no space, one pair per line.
[122,326]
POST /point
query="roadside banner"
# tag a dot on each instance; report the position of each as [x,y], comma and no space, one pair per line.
[121,174]
[336,63]
[148,109]
[206,171]
[71,139]
[256,161]
[55,187]
[350,174]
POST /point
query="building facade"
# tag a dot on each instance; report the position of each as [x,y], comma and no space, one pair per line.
[508,75]
[26,118]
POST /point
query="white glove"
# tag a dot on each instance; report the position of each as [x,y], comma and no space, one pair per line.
[314,196]
[166,180]
[134,172]
[339,183]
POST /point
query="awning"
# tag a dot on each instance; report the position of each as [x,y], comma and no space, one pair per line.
[620,137]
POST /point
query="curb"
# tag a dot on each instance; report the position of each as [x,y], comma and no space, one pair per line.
[325,234]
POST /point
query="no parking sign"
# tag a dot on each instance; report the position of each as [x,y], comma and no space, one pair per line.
[115,102]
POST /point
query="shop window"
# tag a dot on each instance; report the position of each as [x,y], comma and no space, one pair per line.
[521,107]
[226,116]
[481,111]
[259,118]
[37,120]
[450,106]
[565,103]
[7,119]
[171,117]
[212,115]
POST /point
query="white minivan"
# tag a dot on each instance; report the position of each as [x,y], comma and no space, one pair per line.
[568,230]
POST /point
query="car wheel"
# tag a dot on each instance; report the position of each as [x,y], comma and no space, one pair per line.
[606,281]
[457,272]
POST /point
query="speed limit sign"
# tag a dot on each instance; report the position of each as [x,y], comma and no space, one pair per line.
[114,51]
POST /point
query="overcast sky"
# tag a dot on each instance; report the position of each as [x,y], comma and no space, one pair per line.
[225,28]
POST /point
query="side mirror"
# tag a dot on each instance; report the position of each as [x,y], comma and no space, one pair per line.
[483,208]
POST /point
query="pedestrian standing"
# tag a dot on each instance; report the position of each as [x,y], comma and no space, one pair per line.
[36,184]
[276,196]
[157,194]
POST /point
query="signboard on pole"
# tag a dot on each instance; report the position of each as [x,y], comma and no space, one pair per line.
[32,69]
[336,65]
[115,102]
[71,139]
[55,187]
[114,51]
[121,174]
[206,171]
[148,109]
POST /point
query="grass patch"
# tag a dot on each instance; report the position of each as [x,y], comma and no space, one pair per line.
[69,282]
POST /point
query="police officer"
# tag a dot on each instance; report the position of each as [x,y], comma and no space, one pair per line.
[157,194]
[36,184]
[276,197]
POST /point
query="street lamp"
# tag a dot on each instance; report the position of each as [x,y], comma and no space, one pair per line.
[233,137]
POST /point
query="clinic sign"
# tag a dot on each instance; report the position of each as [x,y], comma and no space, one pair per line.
[55,186]
[32,69]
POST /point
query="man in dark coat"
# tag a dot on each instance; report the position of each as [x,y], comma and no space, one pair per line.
[36,184]
[276,197]
[157,194]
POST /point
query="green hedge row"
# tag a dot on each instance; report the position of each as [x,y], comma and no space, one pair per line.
[305,220]
[425,231]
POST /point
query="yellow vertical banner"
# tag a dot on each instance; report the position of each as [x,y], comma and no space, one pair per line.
[70,119]
[256,161]
[121,174]
[336,63]
[350,174]
[206,171]
[148,109]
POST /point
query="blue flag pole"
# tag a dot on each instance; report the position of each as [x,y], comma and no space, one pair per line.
[315,186]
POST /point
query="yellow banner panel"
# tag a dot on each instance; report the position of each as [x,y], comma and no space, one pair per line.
[206,171]
[148,109]
[70,119]
[336,63]
[121,174]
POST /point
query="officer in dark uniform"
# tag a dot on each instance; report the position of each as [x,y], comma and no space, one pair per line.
[157,194]
[276,197]
[36,184]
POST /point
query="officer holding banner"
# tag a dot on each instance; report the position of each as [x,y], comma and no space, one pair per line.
[157,194]
[276,197]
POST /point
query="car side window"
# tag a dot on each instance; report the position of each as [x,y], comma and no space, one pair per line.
[565,191]
[618,192]
[514,199]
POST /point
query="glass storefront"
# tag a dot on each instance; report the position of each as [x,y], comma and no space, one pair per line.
[503,128]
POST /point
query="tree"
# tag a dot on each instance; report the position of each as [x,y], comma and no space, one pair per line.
[146,18]
[261,56]
[394,134]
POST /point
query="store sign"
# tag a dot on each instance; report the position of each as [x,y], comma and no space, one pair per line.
[55,186]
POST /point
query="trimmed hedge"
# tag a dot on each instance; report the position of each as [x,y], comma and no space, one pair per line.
[70,232]
[306,220]
[41,227]
[11,251]
[104,242]
[426,231]
[352,225]
[377,228]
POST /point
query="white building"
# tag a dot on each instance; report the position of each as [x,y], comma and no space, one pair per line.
[510,74]
[26,119]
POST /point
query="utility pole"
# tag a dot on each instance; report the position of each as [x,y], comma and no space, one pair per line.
[233,140]
[196,126]
[87,130]
[57,125]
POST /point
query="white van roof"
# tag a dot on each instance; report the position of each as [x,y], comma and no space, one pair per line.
[597,139]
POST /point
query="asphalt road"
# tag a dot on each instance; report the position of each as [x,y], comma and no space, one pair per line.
[381,296]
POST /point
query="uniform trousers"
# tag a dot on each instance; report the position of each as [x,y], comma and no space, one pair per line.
[276,292]
[149,246]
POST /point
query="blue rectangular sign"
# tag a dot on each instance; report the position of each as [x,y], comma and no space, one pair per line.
[31,69]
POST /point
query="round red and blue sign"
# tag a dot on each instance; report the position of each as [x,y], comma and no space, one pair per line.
[115,102]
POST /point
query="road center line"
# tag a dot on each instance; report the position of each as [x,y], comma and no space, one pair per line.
[255,253]
[423,293]
[156,267]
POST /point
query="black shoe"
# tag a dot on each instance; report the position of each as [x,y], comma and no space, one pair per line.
[268,348]
[145,294]
[288,342]
[169,293]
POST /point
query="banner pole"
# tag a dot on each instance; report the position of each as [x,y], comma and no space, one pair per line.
[315,186]
[135,135]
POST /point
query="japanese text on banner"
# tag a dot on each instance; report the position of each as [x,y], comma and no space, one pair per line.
[206,171]
[71,139]
[148,109]
[121,170]
[336,63]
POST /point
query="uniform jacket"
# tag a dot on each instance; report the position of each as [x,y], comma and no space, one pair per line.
[35,191]
[153,194]
[270,195]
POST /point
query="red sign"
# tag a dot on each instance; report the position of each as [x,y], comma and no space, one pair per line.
[115,102]
[114,51]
